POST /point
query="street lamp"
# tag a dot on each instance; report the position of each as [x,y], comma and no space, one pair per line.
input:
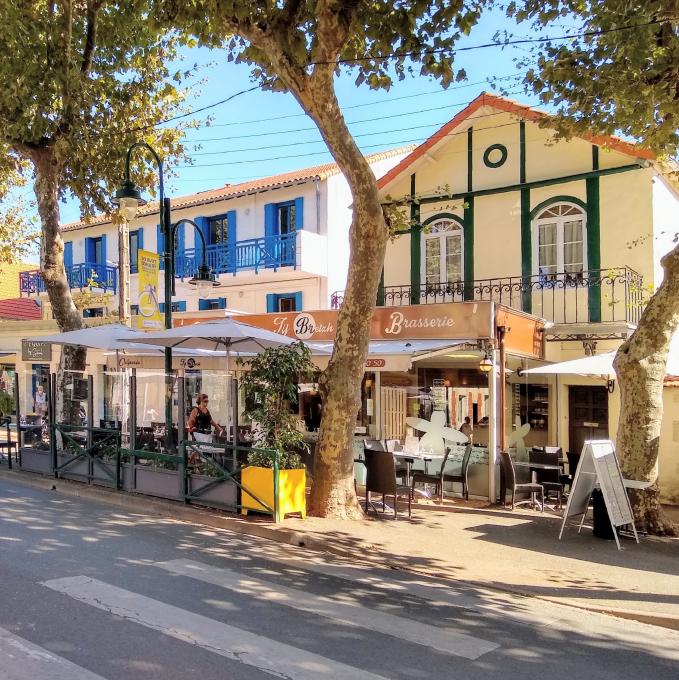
[129,199]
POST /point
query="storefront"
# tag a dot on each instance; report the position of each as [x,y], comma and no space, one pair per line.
[428,359]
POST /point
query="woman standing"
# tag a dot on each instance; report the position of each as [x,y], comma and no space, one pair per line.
[200,420]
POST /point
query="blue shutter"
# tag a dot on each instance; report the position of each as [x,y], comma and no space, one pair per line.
[203,305]
[299,213]
[232,239]
[68,254]
[204,225]
[298,302]
[180,306]
[89,250]
[140,238]
[180,239]
[271,302]
[222,303]
[104,259]
[160,245]
[270,219]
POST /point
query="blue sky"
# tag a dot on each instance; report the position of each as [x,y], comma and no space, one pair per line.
[262,133]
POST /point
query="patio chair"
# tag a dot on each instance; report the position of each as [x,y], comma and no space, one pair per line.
[384,445]
[549,479]
[509,477]
[442,476]
[573,462]
[8,445]
[381,478]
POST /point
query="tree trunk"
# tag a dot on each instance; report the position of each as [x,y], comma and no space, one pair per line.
[68,318]
[332,491]
[640,367]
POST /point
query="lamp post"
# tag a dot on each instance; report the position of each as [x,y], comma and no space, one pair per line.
[129,199]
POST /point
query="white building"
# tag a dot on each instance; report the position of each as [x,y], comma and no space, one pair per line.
[279,243]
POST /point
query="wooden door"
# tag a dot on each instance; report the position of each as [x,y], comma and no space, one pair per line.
[588,415]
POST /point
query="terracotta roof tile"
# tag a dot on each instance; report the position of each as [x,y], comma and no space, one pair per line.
[20,309]
[229,191]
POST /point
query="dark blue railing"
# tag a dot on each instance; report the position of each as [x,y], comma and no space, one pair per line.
[81,275]
[268,252]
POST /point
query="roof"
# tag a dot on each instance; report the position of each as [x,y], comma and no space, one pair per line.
[9,278]
[20,309]
[508,106]
[229,191]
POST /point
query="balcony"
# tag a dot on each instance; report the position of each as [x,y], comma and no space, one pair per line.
[594,296]
[255,254]
[100,276]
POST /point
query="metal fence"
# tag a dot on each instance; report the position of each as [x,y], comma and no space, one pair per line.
[129,457]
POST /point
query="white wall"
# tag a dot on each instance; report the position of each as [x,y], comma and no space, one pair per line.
[665,224]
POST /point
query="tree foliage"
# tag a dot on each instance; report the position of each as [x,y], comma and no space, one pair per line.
[270,386]
[621,76]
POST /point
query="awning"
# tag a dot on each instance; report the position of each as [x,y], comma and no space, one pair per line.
[392,347]
[598,364]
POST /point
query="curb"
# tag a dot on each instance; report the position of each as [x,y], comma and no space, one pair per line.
[212,518]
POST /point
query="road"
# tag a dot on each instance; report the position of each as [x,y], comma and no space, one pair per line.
[88,591]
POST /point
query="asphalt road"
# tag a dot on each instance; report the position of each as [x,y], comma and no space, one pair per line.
[88,591]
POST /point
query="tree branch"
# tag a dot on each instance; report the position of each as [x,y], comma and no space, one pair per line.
[93,8]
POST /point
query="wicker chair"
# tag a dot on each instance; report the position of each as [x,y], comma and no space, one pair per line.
[381,478]
[442,476]
[509,476]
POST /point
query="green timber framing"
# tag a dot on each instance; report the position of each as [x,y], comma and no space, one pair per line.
[591,206]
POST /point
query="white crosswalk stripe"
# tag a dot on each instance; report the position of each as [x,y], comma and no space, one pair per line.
[269,656]
[346,611]
[438,591]
[23,660]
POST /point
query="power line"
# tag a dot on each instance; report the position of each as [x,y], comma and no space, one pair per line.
[313,128]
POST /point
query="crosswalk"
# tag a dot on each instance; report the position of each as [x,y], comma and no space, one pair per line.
[258,650]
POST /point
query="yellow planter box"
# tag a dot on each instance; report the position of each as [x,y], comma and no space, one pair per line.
[259,481]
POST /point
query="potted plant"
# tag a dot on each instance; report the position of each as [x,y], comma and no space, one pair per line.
[275,473]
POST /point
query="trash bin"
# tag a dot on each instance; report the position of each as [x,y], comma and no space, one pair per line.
[602,524]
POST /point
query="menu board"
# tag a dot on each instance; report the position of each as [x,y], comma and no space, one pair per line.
[32,350]
[599,465]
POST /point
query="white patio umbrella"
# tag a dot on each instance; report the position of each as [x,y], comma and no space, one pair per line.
[108,337]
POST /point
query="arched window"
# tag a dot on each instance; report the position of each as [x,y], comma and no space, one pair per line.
[442,260]
[559,240]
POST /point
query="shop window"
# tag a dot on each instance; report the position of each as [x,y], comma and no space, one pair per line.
[93,313]
[559,238]
[442,253]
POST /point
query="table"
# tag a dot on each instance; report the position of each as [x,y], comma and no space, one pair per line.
[533,476]
[410,457]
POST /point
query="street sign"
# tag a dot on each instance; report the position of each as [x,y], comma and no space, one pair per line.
[32,350]
[599,465]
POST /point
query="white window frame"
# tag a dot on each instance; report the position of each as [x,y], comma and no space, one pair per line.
[433,233]
[560,220]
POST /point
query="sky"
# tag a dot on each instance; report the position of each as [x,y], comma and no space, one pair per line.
[262,133]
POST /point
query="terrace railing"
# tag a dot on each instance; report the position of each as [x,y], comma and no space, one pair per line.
[598,295]
[81,275]
[267,252]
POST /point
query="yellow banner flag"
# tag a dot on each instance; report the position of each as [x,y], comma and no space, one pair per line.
[149,317]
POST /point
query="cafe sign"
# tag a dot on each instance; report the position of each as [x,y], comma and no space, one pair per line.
[446,321]
[32,350]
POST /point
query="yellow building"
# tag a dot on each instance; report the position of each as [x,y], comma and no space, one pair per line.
[571,231]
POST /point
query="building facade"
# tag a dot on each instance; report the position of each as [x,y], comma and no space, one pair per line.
[276,243]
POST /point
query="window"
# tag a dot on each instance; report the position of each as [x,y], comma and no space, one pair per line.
[134,247]
[442,253]
[212,303]
[176,306]
[286,218]
[95,312]
[134,310]
[218,229]
[559,240]
[285,302]
[98,254]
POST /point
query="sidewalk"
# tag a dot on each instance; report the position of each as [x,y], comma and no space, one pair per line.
[515,551]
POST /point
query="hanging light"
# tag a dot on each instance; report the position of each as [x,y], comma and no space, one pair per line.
[486,364]
[204,281]
[128,199]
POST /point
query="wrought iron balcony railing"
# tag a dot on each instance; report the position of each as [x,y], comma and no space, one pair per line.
[598,295]
[101,276]
[267,252]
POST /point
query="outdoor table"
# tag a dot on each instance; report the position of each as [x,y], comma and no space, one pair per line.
[535,466]
[409,457]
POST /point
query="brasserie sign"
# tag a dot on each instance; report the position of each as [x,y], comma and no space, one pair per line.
[33,350]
